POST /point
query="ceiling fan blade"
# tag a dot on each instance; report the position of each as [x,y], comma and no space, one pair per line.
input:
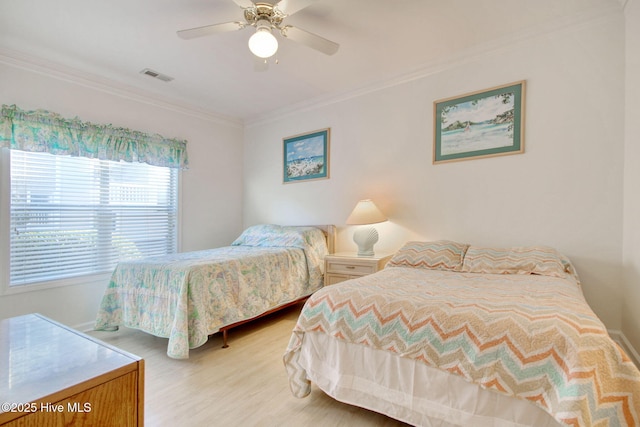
[245,4]
[289,7]
[309,39]
[206,30]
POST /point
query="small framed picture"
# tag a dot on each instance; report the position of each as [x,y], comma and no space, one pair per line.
[480,124]
[306,156]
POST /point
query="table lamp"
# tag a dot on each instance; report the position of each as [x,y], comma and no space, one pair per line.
[365,213]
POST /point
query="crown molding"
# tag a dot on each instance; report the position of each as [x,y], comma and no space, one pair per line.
[58,71]
[55,70]
[554,28]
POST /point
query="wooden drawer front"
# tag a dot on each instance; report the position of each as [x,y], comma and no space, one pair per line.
[114,403]
[349,268]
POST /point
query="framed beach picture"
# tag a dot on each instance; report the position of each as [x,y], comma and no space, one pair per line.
[480,124]
[306,156]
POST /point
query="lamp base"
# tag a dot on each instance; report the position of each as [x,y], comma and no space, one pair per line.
[365,238]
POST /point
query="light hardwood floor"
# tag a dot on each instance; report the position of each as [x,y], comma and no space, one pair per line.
[243,385]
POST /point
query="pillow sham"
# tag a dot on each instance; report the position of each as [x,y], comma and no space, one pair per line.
[540,260]
[436,255]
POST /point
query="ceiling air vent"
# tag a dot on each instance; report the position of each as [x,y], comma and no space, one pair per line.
[156,75]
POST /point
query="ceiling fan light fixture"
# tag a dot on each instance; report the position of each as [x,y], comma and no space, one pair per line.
[264,17]
[263,44]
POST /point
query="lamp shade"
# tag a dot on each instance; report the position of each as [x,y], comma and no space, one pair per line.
[366,212]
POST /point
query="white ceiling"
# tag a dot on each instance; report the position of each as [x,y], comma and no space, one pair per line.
[379,40]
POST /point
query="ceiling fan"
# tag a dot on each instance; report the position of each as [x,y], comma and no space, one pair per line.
[266,17]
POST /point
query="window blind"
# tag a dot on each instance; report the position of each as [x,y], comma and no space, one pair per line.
[74,216]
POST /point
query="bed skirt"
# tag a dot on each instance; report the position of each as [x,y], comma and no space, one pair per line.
[407,390]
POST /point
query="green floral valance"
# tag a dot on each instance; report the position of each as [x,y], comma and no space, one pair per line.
[44,131]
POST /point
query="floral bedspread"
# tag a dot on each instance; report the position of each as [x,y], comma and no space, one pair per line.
[187,296]
[527,336]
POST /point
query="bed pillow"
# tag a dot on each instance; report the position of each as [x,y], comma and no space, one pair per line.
[437,255]
[541,260]
[257,235]
[277,236]
[310,239]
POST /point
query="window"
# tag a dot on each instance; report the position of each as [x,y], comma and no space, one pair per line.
[75,216]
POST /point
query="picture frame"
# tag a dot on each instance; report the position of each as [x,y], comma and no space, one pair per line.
[480,124]
[306,156]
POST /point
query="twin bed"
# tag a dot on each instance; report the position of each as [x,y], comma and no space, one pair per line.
[188,296]
[450,334]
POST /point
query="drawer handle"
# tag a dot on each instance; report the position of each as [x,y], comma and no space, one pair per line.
[350,267]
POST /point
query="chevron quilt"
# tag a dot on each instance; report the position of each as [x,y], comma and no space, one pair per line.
[532,337]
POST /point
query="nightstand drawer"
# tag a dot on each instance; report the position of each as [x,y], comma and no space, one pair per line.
[350,268]
[347,265]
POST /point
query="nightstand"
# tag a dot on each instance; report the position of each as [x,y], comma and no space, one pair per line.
[348,265]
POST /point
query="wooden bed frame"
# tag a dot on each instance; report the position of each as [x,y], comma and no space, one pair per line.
[330,234]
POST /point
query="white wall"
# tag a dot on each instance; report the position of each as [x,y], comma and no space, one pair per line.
[564,191]
[211,201]
[631,293]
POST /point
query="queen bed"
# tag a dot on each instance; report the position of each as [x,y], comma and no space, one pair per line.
[451,334]
[188,296]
